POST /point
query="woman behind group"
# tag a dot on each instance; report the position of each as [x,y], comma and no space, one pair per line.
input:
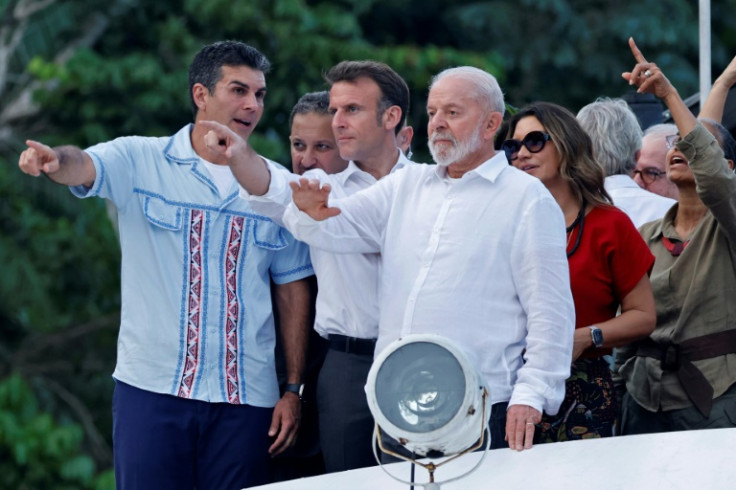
[684,375]
[609,265]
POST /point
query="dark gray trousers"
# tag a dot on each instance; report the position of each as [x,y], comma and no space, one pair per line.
[345,422]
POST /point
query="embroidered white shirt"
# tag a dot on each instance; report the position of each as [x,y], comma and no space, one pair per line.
[196,319]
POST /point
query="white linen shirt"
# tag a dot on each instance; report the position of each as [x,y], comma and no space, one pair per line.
[480,260]
[639,204]
[196,319]
[347,293]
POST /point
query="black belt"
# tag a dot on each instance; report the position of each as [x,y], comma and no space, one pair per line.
[352,345]
[679,357]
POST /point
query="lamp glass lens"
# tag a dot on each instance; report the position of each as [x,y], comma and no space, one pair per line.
[420,387]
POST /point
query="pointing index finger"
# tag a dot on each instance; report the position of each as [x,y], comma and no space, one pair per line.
[39,147]
[636,52]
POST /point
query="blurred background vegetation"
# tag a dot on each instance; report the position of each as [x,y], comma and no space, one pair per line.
[83,71]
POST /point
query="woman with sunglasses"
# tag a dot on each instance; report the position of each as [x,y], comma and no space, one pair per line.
[683,376]
[608,260]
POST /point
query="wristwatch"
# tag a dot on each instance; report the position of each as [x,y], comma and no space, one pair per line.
[597,336]
[296,388]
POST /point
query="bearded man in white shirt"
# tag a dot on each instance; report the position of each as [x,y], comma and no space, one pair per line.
[472,249]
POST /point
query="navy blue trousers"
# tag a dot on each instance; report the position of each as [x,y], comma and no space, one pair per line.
[166,442]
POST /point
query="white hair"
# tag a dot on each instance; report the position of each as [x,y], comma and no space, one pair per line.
[487,90]
[661,130]
[615,133]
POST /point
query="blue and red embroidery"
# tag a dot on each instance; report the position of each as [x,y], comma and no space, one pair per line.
[194,305]
[232,309]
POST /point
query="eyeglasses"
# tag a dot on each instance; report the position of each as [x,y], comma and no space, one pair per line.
[534,142]
[671,140]
[650,174]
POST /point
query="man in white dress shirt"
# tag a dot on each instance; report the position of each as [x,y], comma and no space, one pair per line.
[369,102]
[472,249]
[616,135]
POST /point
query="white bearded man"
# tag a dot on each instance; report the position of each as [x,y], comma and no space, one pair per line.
[472,249]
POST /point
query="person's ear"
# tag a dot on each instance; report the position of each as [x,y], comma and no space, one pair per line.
[493,123]
[199,94]
[391,117]
[637,155]
[405,136]
[730,164]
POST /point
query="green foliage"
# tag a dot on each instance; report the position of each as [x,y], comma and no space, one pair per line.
[35,451]
[571,52]
[148,73]
[105,68]
[50,234]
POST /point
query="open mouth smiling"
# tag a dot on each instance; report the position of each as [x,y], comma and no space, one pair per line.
[678,160]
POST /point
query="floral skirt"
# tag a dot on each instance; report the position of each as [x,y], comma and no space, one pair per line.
[590,409]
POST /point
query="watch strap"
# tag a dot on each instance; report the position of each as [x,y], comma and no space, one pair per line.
[296,388]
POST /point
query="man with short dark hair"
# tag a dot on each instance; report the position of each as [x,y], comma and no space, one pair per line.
[196,402]
[369,101]
[311,140]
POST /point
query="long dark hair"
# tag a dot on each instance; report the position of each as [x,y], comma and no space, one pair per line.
[577,165]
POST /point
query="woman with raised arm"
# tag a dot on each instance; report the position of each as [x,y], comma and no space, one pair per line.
[683,376]
[716,100]
[608,262]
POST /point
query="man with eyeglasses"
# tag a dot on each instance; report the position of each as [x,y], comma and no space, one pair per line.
[616,136]
[650,172]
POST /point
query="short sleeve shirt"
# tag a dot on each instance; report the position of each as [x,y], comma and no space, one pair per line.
[610,260]
[196,318]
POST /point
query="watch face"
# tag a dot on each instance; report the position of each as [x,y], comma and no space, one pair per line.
[597,336]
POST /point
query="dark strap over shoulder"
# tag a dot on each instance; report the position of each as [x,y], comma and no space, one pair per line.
[679,358]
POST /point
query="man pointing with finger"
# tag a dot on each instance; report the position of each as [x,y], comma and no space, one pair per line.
[196,402]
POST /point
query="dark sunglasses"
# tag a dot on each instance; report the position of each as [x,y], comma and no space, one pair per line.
[534,142]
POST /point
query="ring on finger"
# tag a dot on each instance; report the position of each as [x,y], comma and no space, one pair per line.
[648,73]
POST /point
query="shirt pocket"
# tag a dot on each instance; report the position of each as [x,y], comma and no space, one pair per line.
[162,214]
[268,235]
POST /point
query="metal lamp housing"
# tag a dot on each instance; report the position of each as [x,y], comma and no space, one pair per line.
[423,391]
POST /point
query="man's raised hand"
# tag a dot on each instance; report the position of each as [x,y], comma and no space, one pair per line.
[223,141]
[311,198]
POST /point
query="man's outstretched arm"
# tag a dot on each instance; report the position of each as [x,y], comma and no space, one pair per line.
[66,165]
